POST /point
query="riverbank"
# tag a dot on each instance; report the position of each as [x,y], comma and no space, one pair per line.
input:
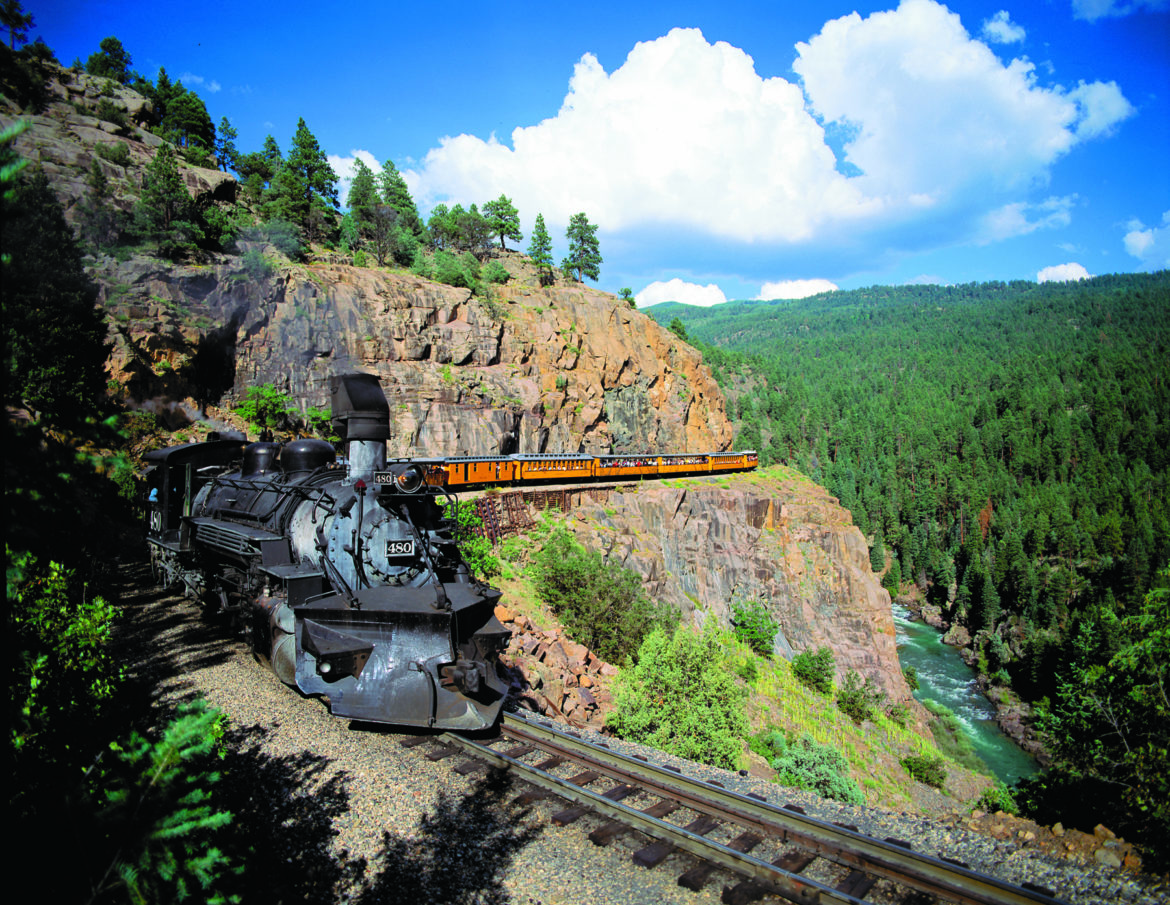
[1013,716]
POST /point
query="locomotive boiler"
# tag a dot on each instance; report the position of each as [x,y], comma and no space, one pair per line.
[345,576]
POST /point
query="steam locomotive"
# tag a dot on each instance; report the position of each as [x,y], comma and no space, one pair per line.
[345,577]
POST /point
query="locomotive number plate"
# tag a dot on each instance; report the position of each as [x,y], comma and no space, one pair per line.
[399,548]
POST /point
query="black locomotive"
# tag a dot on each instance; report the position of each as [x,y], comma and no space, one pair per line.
[345,575]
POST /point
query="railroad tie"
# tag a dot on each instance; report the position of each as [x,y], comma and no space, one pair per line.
[748,891]
[857,884]
[695,878]
[604,835]
[655,853]
[470,766]
[442,752]
[415,740]
[575,813]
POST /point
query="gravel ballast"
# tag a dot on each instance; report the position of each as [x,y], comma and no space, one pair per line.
[337,812]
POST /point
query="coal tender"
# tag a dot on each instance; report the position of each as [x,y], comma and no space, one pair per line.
[345,575]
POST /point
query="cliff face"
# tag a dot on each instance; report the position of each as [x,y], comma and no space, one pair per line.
[775,537]
[562,368]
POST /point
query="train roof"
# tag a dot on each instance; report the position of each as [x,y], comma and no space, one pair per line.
[186,452]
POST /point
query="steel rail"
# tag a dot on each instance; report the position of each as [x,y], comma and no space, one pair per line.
[835,843]
[790,886]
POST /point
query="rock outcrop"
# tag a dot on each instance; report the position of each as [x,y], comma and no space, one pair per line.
[703,544]
[534,369]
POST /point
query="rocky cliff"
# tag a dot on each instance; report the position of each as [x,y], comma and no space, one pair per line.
[533,369]
[776,537]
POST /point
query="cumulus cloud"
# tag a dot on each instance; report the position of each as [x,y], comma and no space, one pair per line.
[1150,246]
[686,133]
[1092,10]
[677,290]
[795,289]
[1000,29]
[1062,273]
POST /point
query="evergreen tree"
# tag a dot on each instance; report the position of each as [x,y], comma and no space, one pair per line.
[584,258]
[226,153]
[164,212]
[396,194]
[17,21]
[187,123]
[362,196]
[304,190]
[503,219]
[54,338]
[97,216]
[540,251]
[111,61]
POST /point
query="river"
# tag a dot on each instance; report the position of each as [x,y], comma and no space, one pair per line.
[945,678]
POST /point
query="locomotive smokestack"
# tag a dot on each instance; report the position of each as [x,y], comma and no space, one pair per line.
[361,416]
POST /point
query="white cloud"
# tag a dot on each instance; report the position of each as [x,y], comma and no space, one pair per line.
[1092,10]
[1150,246]
[678,291]
[1020,218]
[190,79]
[1000,29]
[685,133]
[1062,273]
[795,289]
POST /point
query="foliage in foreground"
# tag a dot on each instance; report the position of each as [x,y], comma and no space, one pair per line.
[476,549]
[857,700]
[808,764]
[601,604]
[681,698]
[1109,731]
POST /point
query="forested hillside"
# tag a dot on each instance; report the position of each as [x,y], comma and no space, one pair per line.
[1004,446]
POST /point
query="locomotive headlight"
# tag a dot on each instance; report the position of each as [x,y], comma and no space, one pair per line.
[408,478]
[402,478]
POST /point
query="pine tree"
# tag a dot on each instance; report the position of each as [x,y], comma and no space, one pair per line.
[540,251]
[362,196]
[396,194]
[164,211]
[17,21]
[98,217]
[503,219]
[304,190]
[584,258]
[111,61]
[226,153]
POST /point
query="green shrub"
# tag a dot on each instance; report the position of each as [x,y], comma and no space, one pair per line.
[476,549]
[601,604]
[495,272]
[256,266]
[857,700]
[110,112]
[360,259]
[818,768]
[926,768]
[681,699]
[910,674]
[266,407]
[815,669]
[898,713]
[116,153]
[754,625]
[998,798]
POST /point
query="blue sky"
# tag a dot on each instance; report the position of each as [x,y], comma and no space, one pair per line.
[730,150]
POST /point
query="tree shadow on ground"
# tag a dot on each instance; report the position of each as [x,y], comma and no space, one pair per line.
[283,833]
[459,853]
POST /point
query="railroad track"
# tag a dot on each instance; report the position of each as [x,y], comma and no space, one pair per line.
[807,861]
